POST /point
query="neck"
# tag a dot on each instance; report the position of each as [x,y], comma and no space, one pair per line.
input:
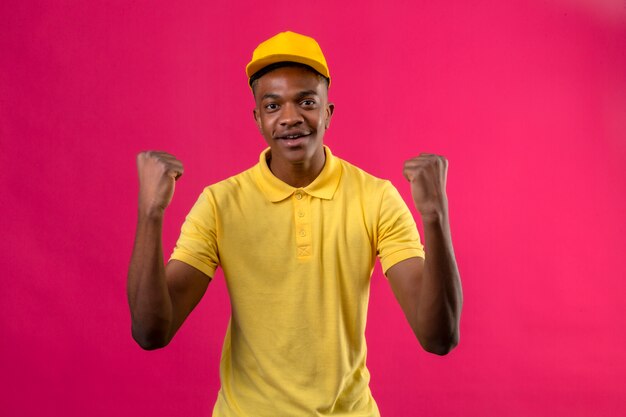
[298,174]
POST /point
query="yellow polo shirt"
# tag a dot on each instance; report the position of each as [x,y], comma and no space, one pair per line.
[297,264]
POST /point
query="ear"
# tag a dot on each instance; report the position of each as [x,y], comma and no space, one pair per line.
[257,118]
[330,108]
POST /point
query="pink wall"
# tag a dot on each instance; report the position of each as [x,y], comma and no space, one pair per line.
[527,99]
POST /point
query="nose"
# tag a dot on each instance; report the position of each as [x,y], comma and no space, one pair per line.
[290,115]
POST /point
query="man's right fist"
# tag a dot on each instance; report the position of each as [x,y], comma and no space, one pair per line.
[158,172]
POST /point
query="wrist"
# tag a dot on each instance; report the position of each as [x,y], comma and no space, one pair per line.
[434,217]
[151,213]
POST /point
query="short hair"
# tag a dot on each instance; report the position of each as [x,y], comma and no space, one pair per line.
[255,77]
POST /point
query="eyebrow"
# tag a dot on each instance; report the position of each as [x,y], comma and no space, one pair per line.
[299,95]
[269,95]
[307,93]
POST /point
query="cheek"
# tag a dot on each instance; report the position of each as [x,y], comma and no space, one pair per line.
[321,118]
[323,123]
[265,125]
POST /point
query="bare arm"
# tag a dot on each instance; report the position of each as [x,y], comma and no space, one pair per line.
[429,292]
[160,297]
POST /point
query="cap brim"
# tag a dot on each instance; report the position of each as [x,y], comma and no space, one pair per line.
[255,66]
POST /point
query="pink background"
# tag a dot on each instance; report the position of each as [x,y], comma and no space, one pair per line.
[527,99]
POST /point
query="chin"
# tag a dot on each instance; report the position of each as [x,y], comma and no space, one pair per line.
[297,156]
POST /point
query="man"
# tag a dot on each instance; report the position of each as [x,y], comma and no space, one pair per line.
[297,236]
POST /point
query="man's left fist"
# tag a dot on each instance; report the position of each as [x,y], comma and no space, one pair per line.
[427,174]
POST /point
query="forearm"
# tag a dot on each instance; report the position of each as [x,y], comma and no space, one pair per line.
[148,294]
[441,297]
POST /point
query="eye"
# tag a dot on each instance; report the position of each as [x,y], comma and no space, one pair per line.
[271,106]
[308,103]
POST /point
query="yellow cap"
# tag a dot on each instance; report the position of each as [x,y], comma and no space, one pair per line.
[288,47]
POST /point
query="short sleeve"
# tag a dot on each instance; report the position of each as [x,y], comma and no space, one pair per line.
[197,243]
[398,238]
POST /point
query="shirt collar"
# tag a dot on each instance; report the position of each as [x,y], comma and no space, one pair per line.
[275,190]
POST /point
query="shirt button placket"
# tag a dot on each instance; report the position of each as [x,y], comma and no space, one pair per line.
[302,219]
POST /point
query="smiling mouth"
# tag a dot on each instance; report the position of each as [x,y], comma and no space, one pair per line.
[293,136]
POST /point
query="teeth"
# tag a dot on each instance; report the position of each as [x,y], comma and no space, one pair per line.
[293,136]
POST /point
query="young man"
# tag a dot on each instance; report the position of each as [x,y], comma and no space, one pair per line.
[297,236]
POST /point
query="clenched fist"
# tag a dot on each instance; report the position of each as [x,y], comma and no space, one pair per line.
[427,175]
[158,172]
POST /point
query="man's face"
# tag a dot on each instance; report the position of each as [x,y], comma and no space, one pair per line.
[292,112]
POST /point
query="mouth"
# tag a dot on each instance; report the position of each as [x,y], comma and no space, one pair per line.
[294,139]
[294,135]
